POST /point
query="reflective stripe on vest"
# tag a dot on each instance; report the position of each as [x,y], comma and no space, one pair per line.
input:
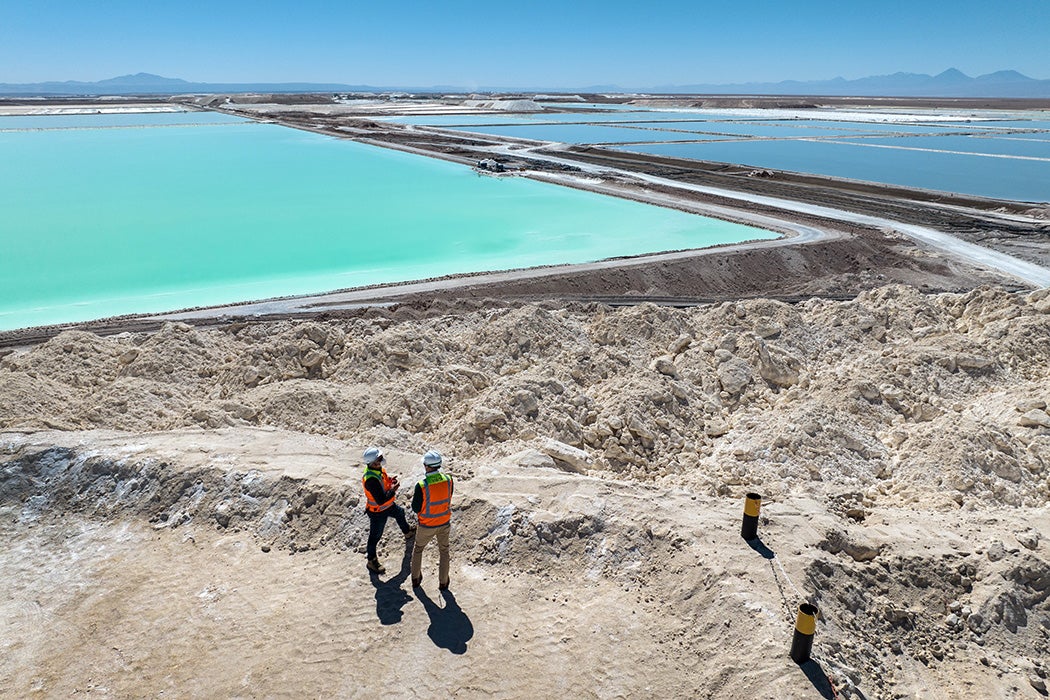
[372,506]
[437,498]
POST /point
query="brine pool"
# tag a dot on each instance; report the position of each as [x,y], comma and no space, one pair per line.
[142,213]
[987,153]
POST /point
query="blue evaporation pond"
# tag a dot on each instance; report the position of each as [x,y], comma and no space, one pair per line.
[658,131]
[93,121]
[1003,178]
[967,144]
[871,127]
[1021,129]
[1033,136]
[450,120]
[662,131]
[549,118]
[787,129]
[636,115]
[779,129]
[1014,124]
[590,105]
[586,133]
[108,221]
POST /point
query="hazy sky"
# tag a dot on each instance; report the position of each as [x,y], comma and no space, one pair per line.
[529,43]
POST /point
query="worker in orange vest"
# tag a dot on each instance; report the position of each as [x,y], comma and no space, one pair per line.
[380,494]
[432,501]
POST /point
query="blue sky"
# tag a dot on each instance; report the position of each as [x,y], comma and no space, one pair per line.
[531,43]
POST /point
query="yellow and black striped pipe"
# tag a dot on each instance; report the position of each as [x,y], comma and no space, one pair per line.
[752,505]
[805,628]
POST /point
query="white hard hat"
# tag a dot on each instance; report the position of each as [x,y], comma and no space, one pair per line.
[372,454]
[432,459]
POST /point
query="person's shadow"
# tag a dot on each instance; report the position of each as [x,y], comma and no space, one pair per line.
[450,628]
[390,598]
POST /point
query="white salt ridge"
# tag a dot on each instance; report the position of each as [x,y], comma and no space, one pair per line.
[833,115]
[103,109]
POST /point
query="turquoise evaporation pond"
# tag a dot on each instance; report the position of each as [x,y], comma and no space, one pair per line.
[984,176]
[111,221]
[92,121]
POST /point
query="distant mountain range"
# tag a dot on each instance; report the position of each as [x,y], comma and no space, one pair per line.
[149,84]
[950,83]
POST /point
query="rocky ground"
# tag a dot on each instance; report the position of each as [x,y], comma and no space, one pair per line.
[155,483]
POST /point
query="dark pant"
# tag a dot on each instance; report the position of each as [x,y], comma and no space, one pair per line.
[376,523]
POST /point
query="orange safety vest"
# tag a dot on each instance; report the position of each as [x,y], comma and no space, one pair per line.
[372,506]
[437,500]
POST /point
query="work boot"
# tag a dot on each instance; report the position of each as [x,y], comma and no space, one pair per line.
[410,533]
[374,565]
[443,586]
[417,582]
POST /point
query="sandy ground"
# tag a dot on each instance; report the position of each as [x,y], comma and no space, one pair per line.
[562,584]
[183,507]
[137,609]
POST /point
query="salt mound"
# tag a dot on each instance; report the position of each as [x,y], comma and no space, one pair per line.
[896,397]
[504,105]
[31,401]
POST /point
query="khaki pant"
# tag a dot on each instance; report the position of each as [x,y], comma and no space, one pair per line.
[423,536]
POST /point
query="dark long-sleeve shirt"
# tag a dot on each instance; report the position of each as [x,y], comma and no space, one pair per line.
[375,487]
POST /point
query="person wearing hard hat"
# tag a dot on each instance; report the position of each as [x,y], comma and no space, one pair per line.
[431,501]
[380,494]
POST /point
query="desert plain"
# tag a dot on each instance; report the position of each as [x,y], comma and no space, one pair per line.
[181,500]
